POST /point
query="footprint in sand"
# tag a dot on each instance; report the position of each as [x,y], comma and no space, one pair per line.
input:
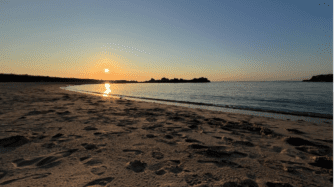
[99,170]
[166,142]
[151,119]
[168,136]
[137,152]
[322,162]
[84,158]
[13,141]
[3,173]
[90,128]
[64,113]
[57,136]
[61,138]
[136,166]
[160,172]
[246,143]
[100,182]
[49,145]
[173,166]
[276,149]
[66,97]
[175,169]
[176,118]
[275,164]
[247,182]
[89,146]
[308,146]
[295,131]
[271,184]
[189,140]
[150,136]
[34,176]
[47,161]
[195,179]
[214,155]
[151,127]
[95,164]
[197,146]
[98,133]
[157,155]
[36,112]
[221,163]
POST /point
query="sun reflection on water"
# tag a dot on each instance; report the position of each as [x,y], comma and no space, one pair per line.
[108,89]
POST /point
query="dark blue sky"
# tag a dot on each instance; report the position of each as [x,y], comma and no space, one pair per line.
[248,40]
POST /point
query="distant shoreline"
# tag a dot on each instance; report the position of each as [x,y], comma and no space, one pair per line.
[321,78]
[176,80]
[31,78]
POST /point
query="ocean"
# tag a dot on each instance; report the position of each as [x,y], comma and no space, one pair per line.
[309,101]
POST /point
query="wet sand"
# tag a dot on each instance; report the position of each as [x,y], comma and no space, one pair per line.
[54,137]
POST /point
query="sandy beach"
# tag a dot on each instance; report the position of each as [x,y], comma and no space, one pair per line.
[54,137]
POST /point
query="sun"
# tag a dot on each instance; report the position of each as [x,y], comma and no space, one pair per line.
[106,70]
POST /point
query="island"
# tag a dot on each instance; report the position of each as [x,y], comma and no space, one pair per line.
[321,78]
[176,80]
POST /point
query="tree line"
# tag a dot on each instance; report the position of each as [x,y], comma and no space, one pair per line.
[32,78]
[176,80]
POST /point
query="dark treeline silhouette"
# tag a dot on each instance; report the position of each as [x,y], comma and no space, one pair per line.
[32,78]
[321,78]
[176,80]
[123,81]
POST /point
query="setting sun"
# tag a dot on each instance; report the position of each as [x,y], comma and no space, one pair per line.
[106,70]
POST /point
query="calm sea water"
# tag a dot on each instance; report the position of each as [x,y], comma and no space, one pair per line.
[281,98]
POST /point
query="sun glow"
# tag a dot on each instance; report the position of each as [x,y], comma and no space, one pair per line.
[106,70]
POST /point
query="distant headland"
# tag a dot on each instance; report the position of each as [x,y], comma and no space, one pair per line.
[321,78]
[33,78]
[176,80]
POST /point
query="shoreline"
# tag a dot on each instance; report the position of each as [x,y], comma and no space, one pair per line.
[307,116]
[55,137]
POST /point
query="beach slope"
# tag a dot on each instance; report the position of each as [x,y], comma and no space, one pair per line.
[54,137]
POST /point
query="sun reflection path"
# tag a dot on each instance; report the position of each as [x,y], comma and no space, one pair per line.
[108,89]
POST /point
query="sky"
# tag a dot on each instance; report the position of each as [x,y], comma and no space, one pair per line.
[223,40]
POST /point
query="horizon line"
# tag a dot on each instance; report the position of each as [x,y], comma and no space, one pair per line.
[181,78]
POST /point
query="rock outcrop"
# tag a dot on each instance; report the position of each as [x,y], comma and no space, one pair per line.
[321,78]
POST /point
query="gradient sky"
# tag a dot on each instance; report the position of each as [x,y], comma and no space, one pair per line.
[223,40]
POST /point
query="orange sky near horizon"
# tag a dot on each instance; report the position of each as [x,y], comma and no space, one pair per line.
[95,69]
